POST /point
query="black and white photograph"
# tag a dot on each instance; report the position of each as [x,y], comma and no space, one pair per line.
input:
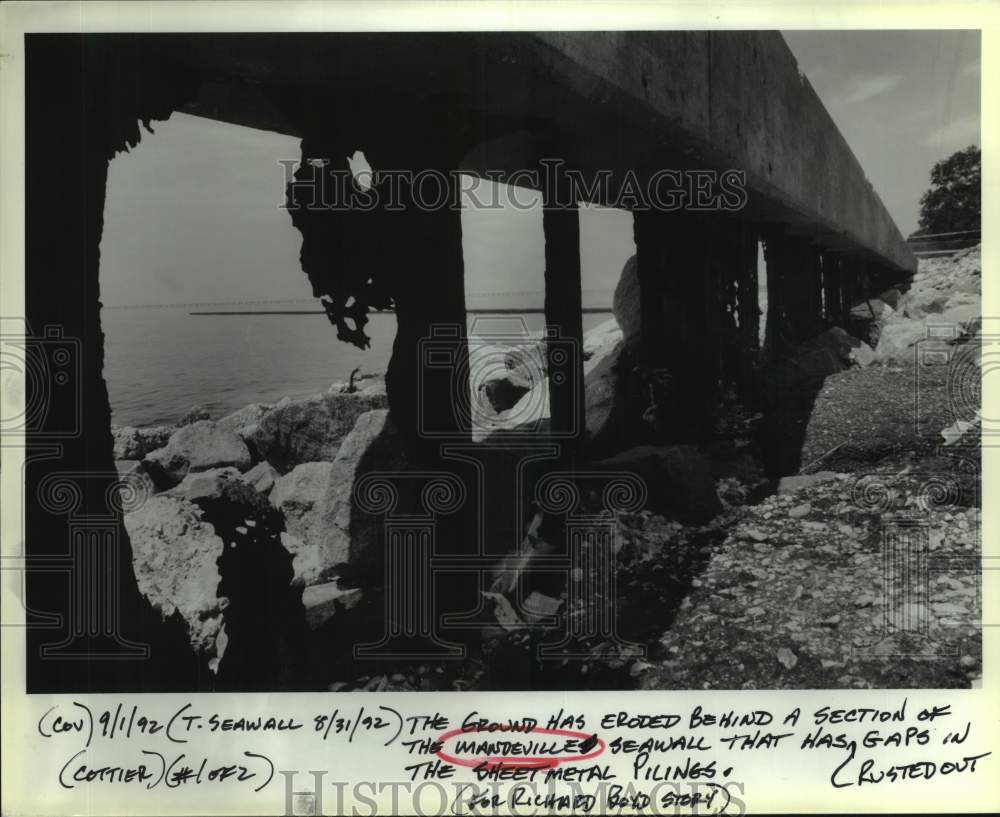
[499,361]
[570,361]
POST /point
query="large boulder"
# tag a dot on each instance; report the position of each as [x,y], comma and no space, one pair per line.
[200,446]
[678,480]
[898,337]
[603,348]
[625,304]
[791,484]
[849,348]
[128,444]
[262,477]
[921,301]
[244,421]
[501,373]
[602,339]
[349,534]
[891,297]
[299,496]
[323,601]
[134,443]
[310,430]
[503,390]
[175,555]
[133,471]
[604,396]
[963,308]
[155,437]
[872,309]
[218,487]
[194,415]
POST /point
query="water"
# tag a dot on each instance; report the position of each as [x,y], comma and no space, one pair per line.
[161,362]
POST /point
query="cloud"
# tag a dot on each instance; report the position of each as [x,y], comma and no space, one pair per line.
[861,89]
[955,134]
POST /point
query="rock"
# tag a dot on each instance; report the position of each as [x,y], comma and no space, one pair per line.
[539,607]
[603,386]
[529,360]
[310,430]
[134,472]
[209,489]
[847,347]
[922,301]
[532,409]
[128,444]
[788,485]
[200,446]
[321,602]
[602,339]
[262,477]
[134,443]
[299,496]
[244,421]
[897,337]
[959,299]
[501,373]
[625,304]
[174,554]
[503,390]
[891,297]
[863,355]
[504,611]
[678,480]
[345,532]
[307,562]
[787,658]
[962,313]
[155,437]
[872,309]
[193,415]
[799,511]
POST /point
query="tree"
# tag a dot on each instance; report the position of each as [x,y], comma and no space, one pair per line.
[953,201]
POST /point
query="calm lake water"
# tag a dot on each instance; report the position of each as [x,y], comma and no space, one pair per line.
[160,362]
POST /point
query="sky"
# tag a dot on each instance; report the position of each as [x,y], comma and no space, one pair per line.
[193,212]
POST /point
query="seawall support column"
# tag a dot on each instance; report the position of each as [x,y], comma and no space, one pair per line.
[676,266]
[564,325]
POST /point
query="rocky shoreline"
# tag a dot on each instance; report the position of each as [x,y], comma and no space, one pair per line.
[283,472]
[245,531]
